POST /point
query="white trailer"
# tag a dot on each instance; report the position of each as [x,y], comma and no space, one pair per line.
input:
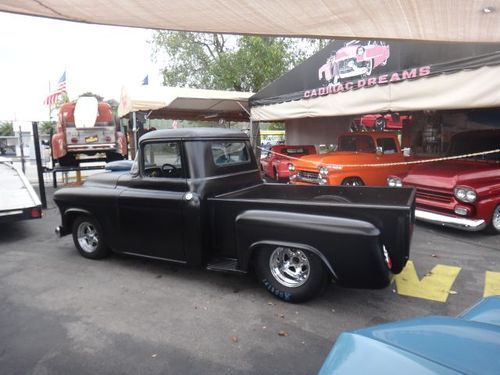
[18,199]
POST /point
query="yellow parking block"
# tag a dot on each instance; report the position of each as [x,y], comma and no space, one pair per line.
[491,284]
[435,285]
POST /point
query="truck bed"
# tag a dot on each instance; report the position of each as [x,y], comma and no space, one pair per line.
[17,196]
[337,195]
[391,210]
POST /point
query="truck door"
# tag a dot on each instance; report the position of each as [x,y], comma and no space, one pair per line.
[151,213]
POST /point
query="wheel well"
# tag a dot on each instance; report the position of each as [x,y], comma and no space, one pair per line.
[356,177]
[258,247]
[70,217]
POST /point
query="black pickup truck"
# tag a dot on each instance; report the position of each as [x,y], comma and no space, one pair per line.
[196,196]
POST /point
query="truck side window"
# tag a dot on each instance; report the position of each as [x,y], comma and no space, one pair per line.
[388,145]
[229,153]
[162,160]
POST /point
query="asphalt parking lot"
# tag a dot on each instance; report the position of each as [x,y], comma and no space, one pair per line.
[63,314]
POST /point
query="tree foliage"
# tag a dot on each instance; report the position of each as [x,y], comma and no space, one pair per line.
[45,127]
[227,62]
[88,93]
[6,128]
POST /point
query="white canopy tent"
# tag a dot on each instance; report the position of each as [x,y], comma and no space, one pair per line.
[185,103]
[462,90]
[444,20]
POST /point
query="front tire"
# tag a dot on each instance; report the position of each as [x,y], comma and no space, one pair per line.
[290,274]
[494,226]
[88,238]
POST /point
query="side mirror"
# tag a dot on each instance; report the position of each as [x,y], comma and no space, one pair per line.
[406,151]
[379,150]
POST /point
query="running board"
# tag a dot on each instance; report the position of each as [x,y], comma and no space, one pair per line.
[224,265]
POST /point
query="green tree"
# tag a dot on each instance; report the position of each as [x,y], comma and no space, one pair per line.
[88,93]
[6,128]
[227,62]
[46,126]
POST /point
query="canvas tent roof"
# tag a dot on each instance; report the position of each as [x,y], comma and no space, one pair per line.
[372,76]
[445,20]
[185,103]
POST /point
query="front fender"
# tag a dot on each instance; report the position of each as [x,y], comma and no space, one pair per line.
[351,249]
[68,217]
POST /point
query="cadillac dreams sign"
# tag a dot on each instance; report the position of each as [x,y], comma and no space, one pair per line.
[346,65]
[355,65]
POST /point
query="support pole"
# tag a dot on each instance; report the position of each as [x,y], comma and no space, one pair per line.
[41,183]
[255,138]
[21,149]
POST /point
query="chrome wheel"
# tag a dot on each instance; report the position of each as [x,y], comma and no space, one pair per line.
[290,267]
[495,219]
[87,237]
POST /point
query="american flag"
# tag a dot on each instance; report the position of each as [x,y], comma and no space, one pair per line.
[61,87]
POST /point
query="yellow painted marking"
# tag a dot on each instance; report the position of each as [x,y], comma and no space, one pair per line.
[491,284]
[435,285]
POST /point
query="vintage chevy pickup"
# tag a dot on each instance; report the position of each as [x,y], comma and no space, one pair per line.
[195,196]
[463,193]
[347,164]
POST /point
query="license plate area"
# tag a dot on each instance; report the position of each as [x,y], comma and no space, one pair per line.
[91,139]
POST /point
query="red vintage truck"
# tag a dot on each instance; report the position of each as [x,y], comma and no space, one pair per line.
[87,127]
[462,193]
[275,162]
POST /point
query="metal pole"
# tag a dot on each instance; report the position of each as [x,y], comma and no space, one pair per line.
[41,183]
[21,148]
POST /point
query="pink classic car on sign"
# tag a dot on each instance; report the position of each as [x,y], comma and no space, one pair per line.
[275,163]
[353,60]
[462,193]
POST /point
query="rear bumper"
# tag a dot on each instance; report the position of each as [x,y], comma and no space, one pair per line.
[92,147]
[471,225]
[21,214]
[61,231]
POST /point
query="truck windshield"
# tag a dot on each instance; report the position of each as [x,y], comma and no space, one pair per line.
[360,143]
[229,153]
[462,145]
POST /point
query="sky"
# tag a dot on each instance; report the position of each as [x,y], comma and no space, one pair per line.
[34,52]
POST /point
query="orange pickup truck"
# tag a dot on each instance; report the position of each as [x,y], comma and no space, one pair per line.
[347,165]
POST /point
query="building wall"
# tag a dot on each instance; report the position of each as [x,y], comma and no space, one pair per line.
[321,130]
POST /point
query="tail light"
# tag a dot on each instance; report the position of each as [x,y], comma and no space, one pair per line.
[36,212]
[74,140]
[387,258]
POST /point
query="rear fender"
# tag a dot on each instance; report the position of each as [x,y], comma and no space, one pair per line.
[121,142]
[255,246]
[351,249]
[58,145]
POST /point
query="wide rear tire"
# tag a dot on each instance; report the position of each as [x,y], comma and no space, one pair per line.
[290,274]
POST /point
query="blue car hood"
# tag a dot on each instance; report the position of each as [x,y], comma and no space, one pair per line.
[467,344]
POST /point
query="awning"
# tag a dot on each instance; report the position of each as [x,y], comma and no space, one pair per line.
[445,20]
[185,103]
[352,77]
